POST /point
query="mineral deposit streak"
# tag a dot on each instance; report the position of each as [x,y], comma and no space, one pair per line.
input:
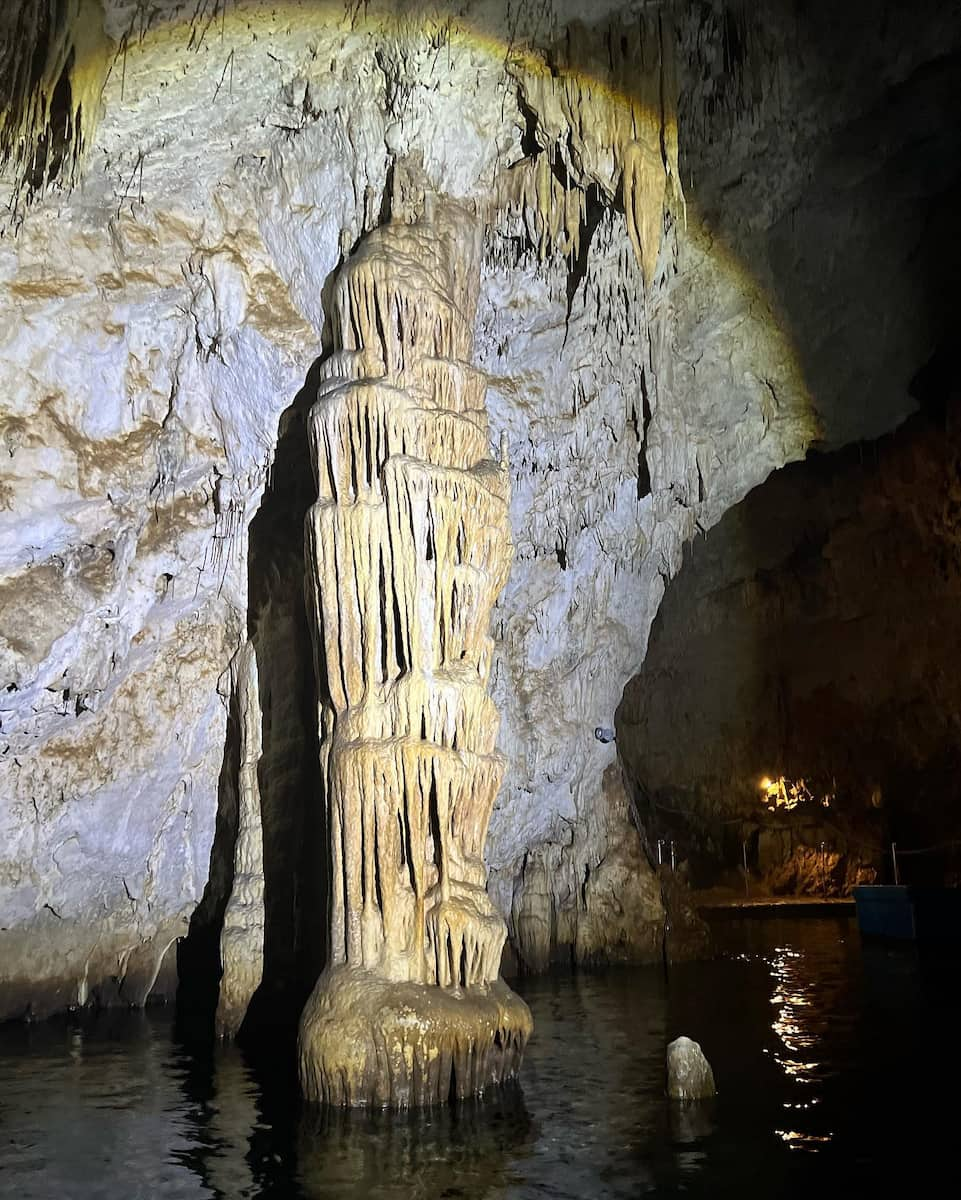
[408,546]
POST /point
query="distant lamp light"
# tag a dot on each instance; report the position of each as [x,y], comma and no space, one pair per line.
[603,734]
[789,793]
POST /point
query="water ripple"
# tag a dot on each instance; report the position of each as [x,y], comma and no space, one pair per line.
[811,1040]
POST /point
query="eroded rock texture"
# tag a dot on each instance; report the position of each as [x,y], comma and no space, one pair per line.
[613,912]
[408,547]
[653,352]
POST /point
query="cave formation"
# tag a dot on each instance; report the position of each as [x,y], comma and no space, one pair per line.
[587,344]
[408,547]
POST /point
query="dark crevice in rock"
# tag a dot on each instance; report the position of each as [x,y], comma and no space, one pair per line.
[198,954]
[937,384]
[294,833]
[54,145]
[595,207]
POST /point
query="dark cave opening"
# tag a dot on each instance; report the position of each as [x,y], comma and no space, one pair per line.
[795,715]
[292,808]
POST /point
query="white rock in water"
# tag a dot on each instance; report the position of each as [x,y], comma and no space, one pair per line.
[689,1074]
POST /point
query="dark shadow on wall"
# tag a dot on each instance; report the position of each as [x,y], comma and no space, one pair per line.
[198,954]
[813,630]
[847,217]
[292,808]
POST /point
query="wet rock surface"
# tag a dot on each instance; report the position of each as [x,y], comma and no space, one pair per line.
[689,1074]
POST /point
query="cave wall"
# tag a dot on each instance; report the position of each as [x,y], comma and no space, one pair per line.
[160,316]
[812,634]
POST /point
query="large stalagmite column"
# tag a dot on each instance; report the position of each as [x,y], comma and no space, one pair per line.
[408,546]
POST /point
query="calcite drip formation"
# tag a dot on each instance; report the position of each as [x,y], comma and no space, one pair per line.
[408,546]
[242,935]
[618,137]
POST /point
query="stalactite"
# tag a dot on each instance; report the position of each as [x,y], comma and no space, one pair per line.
[408,547]
[620,138]
[54,60]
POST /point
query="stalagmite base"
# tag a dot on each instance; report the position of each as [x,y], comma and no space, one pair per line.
[367,1041]
[408,546]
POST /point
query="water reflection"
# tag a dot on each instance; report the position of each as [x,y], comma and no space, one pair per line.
[691,1120]
[461,1151]
[807,991]
[594,1078]
[92,1111]
[811,1042]
[231,1118]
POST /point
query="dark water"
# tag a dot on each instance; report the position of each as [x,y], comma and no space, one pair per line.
[838,1070]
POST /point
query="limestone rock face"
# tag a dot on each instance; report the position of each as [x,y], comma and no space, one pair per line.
[689,1074]
[657,317]
[613,913]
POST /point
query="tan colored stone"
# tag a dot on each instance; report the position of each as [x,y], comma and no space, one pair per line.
[408,546]
[242,936]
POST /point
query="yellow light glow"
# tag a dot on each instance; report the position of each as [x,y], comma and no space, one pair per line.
[797,1070]
[789,793]
[800,1141]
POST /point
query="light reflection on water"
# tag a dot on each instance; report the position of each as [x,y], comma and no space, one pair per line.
[812,1042]
[806,993]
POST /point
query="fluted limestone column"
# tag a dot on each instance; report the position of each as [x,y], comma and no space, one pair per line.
[242,936]
[408,546]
